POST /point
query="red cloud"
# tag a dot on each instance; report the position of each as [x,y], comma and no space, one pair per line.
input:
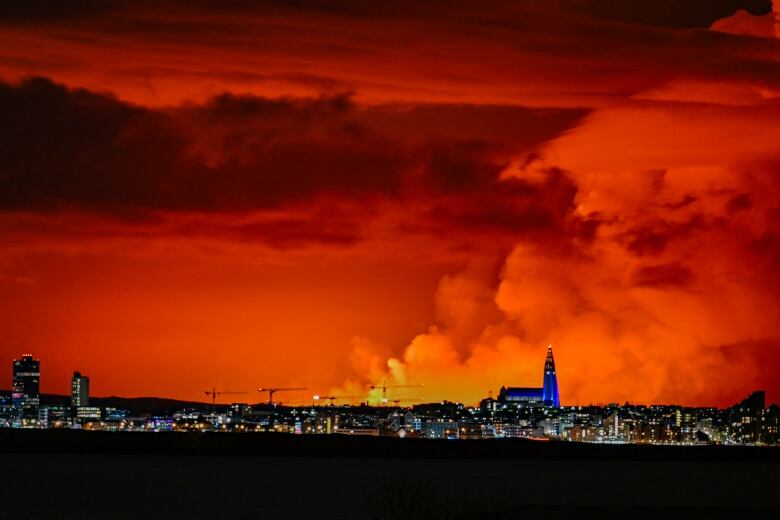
[598,175]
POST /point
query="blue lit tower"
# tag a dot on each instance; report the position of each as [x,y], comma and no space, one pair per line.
[550,395]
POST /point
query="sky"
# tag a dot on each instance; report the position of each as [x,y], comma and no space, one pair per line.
[332,195]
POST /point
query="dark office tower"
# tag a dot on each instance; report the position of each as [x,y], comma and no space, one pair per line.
[79,390]
[550,395]
[26,387]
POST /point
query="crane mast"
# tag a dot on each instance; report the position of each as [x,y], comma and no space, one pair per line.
[272,390]
[384,386]
[213,393]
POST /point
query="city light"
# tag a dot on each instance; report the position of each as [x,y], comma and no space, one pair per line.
[532,413]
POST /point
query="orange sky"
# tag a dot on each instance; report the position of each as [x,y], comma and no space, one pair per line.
[335,194]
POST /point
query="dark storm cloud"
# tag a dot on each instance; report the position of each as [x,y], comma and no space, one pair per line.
[491,52]
[660,13]
[31,10]
[62,148]
[514,207]
[740,202]
[330,227]
[653,237]
[663,276]
[677,14]
[647,241]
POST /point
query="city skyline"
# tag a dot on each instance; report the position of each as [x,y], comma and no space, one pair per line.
[403,259]
[338,194]
[27,372]
[532,413]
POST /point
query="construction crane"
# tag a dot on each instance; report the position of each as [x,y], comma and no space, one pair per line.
[272,391]
[332,398]
[213,393]
[384,386]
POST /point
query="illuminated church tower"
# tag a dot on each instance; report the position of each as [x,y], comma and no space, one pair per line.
[550,395]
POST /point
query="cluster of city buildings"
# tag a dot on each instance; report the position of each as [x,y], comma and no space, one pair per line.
[519,412]
[23,408]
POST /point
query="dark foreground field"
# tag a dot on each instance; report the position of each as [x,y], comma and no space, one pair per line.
[69,474]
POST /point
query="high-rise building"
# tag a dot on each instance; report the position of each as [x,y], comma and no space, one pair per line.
[79,390]
[26,389]
[550,395]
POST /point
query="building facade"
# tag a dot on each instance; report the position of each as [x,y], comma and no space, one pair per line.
[519,394]
[550,396]
[26,389]
[79,390]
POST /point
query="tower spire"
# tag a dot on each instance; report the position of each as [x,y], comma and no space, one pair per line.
[550,396]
